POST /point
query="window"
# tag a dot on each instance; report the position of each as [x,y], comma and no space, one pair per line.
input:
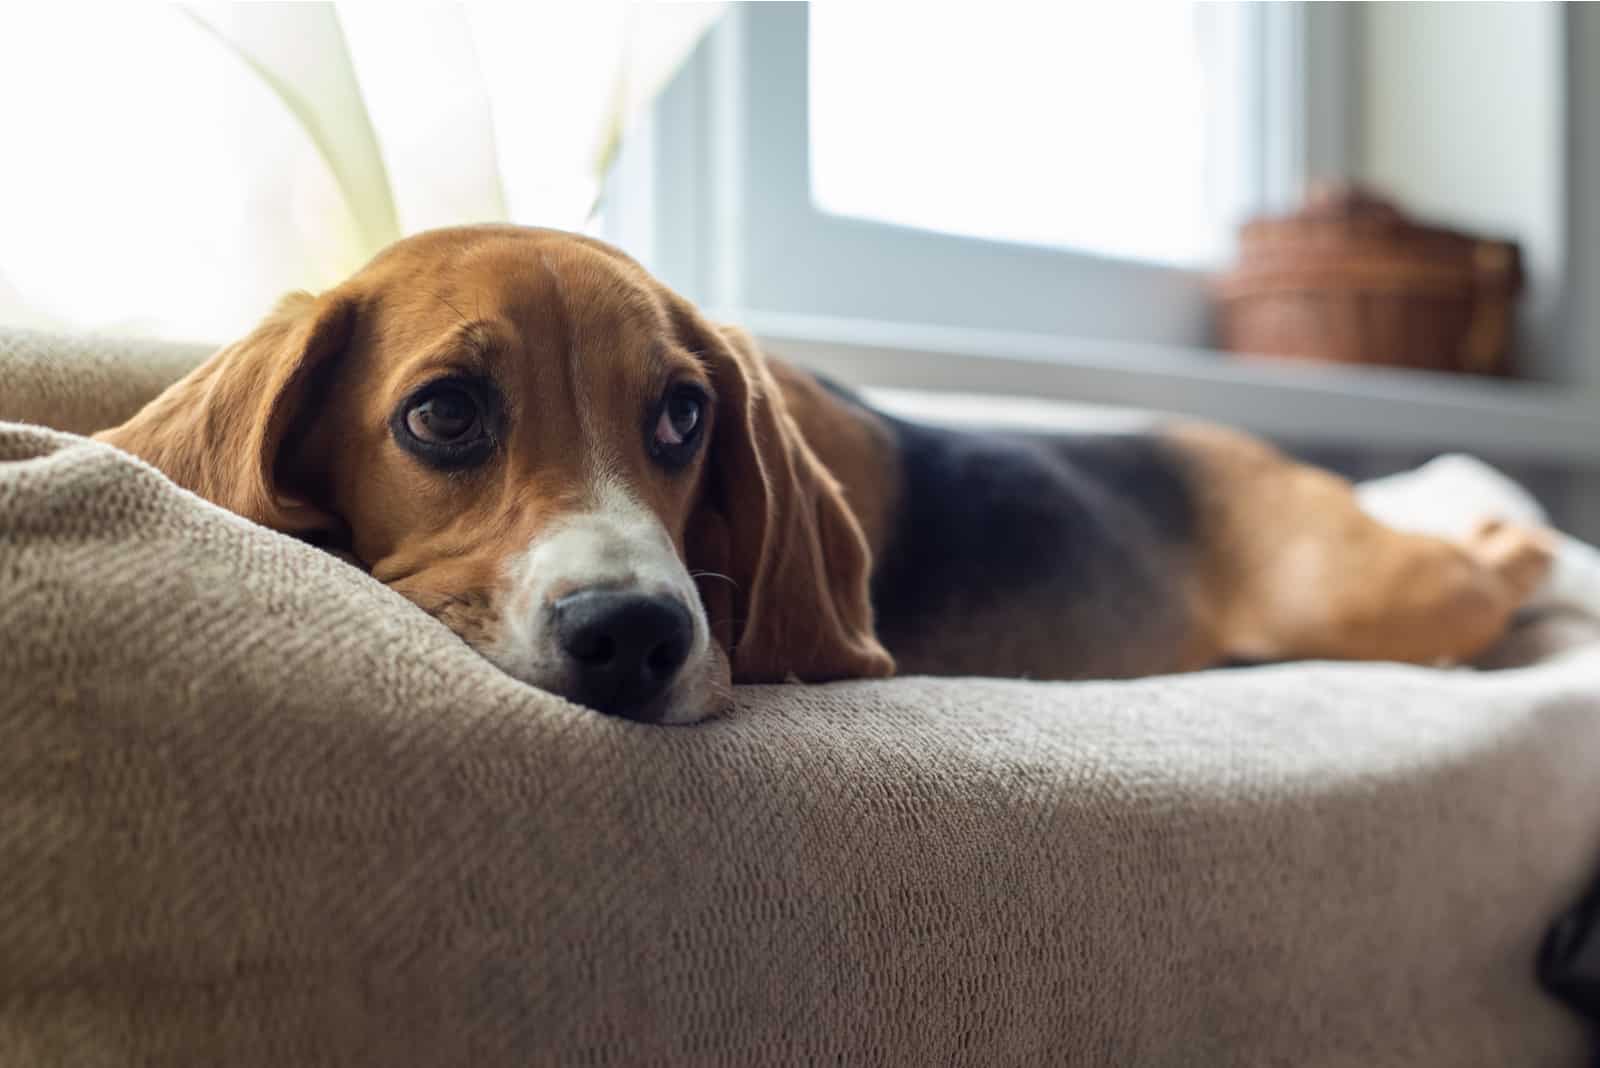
[1000,169]
[801,178]
[1109,129]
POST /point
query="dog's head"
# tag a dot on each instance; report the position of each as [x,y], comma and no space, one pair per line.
[536,442]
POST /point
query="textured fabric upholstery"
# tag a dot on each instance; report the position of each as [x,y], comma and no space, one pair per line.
[255,809]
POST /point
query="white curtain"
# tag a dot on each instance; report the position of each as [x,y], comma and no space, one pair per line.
[170,170]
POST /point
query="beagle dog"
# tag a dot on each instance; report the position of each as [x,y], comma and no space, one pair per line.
[614,499]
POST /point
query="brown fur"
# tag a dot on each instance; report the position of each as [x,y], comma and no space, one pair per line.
[579,339]
[778,518]
[1292,568]
[793,547]
[851,443]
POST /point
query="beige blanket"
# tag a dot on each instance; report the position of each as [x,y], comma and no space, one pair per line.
[255,809]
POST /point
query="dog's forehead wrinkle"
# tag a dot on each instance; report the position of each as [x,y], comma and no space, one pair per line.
[592,444]
[591,352]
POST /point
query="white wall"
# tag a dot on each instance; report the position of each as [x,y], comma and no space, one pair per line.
[1463,115]
[1582,315]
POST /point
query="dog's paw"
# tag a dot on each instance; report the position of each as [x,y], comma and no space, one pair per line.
[1520,555]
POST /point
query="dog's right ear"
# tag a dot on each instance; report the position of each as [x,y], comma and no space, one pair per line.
[220,430]
[791,597]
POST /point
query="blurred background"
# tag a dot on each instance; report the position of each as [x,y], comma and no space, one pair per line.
[1362,229]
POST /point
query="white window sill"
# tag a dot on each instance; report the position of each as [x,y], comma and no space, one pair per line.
[1046,381]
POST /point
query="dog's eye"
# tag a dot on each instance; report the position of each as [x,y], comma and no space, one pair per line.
[680,416]
[676,428]
[447,424]
[446,416]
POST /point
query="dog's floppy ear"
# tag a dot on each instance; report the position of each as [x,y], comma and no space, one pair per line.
[775,522]
[220,430]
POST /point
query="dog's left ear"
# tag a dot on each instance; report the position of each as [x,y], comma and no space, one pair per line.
[220,431]
[775,522]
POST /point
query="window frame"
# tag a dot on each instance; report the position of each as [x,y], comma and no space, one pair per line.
[718,199]
[696,205]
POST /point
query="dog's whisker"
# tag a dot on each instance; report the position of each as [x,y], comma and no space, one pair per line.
[715,575]
[452,307]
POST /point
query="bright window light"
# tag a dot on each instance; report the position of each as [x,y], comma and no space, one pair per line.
[1104,128]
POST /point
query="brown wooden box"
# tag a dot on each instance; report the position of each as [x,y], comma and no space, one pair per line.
[1350,278]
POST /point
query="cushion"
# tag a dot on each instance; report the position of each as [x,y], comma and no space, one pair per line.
[84,384]
[256,809]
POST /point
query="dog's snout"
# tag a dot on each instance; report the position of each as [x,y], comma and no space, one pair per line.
[624,648]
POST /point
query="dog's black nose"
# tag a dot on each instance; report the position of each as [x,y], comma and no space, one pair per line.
[624,648]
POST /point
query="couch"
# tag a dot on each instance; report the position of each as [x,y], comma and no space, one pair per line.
[256,809]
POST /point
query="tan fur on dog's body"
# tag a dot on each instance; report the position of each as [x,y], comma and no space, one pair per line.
[779,519]
[1294,569]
